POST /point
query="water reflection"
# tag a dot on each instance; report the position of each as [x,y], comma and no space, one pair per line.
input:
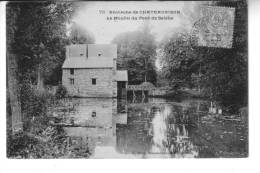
[156,129]
[93,121]
[153,128]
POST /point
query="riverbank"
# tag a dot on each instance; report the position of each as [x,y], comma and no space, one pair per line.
[39,139]
[51,143]
[191,130]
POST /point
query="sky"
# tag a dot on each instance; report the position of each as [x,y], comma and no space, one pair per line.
[92,16]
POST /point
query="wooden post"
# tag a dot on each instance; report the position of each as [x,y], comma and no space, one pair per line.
[143,95]
[133,96]
[126,88]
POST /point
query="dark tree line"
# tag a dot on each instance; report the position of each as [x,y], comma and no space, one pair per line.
[221,73]
[137,54]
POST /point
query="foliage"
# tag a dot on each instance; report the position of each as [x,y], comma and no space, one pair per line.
[79,35]
[39,139]
[52,142]
[179,60]
[34,106]
[61,92]
[40,37]
[221,73]
[136,53]
[36,37]
[17,144]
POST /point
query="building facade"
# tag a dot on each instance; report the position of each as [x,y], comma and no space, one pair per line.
[90,71]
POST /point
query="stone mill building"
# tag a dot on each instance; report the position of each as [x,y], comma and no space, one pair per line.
[89,70]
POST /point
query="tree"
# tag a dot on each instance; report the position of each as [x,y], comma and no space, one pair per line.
[136,53]
[36,37]
[225,70]
[79,35]
[222,72]
[12,77]
[41,29]
[179,59]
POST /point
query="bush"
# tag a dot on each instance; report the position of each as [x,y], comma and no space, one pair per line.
[34,105]
[61,92]
[51,143]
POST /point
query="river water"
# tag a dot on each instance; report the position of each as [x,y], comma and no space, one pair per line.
[150,128]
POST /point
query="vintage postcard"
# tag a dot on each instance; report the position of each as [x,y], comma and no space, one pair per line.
[123,79]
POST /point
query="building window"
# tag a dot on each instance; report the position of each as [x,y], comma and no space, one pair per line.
[72,71]
[94,114]
[71,81]
[94,81]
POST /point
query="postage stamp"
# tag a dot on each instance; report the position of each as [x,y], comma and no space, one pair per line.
[214,27]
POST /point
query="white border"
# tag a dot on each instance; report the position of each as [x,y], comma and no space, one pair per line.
[246,165]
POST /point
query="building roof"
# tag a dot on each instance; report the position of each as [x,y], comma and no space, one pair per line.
[88,62]
[121,75]
[106,50]
[90,56]
[148,85]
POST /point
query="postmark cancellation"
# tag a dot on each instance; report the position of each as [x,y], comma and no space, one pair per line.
[214,27]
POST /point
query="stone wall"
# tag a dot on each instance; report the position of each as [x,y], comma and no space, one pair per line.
[82,87]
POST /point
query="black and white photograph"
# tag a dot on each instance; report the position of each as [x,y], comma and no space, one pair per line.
[127,79]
